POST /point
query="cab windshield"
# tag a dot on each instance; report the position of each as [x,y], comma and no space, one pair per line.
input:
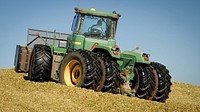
[98,27]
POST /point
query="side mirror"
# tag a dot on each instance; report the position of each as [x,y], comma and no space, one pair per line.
[75,23]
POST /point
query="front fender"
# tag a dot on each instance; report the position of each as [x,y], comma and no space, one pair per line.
[100,48]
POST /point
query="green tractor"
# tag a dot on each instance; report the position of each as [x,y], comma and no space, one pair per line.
[90,58]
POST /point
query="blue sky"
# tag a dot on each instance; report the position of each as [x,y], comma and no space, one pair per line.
[169,30]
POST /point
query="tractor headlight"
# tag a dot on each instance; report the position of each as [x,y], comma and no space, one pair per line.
[146,56]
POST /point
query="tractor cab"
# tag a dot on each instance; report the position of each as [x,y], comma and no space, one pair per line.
[92,28]
[95,24]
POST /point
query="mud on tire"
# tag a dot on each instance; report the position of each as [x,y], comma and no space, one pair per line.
[40,63]
[164,80]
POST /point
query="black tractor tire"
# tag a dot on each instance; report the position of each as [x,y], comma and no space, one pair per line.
[148,82]
[134,84]
[100,73]
[112,81]
[78,69]
[40,63]
[164,82]
[154,81]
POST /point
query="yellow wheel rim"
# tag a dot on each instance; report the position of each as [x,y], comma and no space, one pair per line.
[73,72]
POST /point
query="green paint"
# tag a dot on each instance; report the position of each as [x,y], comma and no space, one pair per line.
[137,56]
[78,42]
[60,50]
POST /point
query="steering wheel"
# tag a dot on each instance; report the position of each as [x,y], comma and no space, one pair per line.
[90,29]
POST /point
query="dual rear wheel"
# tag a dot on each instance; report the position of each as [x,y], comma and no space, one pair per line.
[82,69]
[152,82]
[147,81]
[95,71]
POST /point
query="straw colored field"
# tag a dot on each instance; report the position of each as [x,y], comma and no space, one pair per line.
[17,94]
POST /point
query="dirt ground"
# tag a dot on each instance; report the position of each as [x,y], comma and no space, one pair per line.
[17,94]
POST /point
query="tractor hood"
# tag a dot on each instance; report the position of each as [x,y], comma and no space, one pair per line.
[138,57]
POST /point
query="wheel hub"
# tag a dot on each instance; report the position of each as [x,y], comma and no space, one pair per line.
[72,74]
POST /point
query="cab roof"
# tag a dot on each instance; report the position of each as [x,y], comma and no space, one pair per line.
[93,12]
